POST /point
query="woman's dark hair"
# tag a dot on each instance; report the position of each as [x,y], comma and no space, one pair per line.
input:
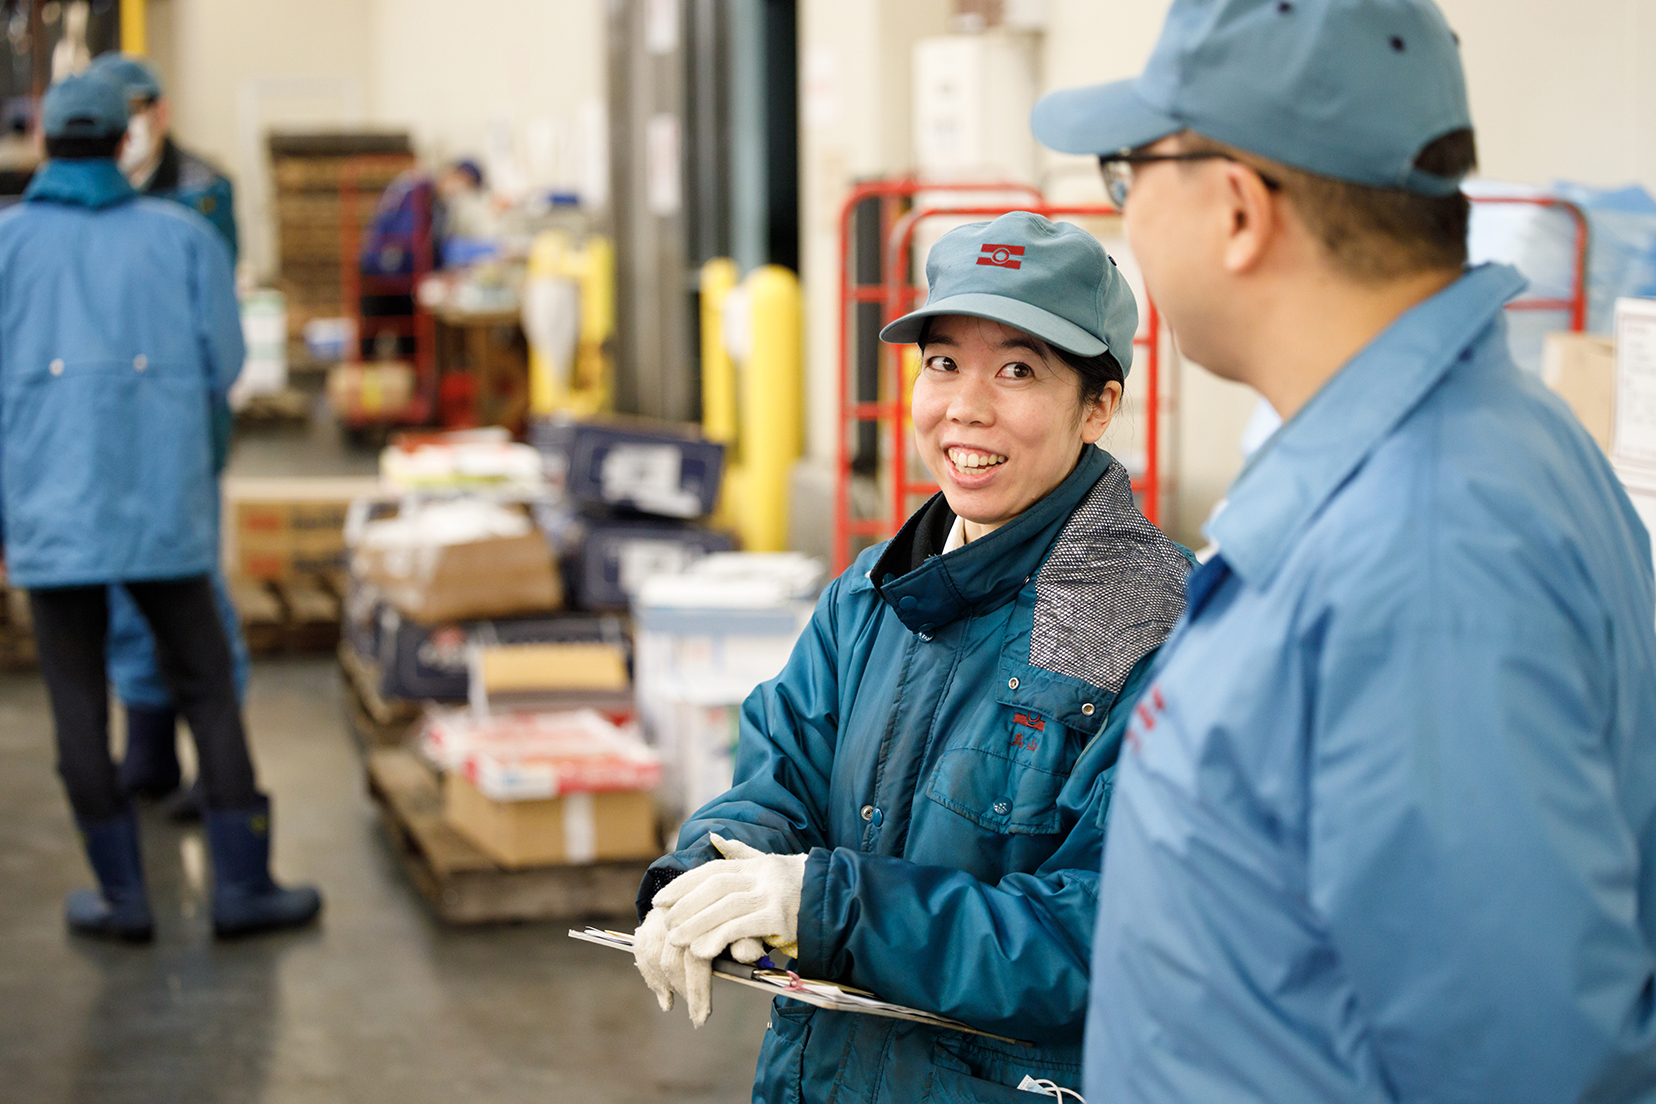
[80,148]
[1094,372]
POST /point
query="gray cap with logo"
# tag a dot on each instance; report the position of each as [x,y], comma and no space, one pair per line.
[1049,279]
[1347,89]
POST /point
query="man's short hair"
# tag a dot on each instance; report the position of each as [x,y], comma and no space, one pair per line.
[65,148]
[1375,234]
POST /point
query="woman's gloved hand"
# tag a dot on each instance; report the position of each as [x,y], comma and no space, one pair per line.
[730,902]
[670,969]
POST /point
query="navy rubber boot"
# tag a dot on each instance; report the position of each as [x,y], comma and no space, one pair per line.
[118,908]
[245,899]
[150,768]
[187,805]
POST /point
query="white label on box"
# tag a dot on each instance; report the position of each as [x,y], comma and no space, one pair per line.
[580,828]
[1635,426]
[647,475]
[639,559]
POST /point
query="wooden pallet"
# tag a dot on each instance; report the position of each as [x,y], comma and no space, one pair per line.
[465,886]
[288,616]
[374,721]
[288,407]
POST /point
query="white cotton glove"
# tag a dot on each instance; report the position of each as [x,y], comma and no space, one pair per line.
[668,969]
[729,902]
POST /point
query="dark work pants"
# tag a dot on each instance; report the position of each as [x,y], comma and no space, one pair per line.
[71,625]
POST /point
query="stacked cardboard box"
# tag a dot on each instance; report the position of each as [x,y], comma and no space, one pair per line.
[308,171]
[284,528]
[546,765]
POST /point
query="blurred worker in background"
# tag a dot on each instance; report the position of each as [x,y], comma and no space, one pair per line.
[156,166]
[120,334]
[920,796]
[1385,828]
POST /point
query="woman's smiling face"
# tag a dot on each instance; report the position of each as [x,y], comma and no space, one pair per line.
[998,418]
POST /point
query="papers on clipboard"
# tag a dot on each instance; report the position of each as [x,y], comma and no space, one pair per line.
[786,983]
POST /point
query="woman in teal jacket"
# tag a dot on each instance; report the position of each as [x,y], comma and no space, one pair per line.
[921,795]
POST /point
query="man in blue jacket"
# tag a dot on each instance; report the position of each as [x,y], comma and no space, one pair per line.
[119,334]
[157,166]
[1385,824]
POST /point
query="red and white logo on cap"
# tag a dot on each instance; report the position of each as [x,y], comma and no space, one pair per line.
[1001,256]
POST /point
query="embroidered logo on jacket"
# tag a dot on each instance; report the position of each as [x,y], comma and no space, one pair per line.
[1145,715]
[1024,739]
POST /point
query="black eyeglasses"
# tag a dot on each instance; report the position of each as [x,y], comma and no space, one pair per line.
[1118,169]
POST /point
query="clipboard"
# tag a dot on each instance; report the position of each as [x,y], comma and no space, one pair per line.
[785,983]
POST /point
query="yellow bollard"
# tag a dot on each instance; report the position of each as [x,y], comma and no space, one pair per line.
[718,279]
[771,433]
[583,386]
[719,401]
[134,27]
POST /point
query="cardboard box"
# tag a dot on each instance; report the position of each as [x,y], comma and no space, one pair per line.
[574,828]
[550,676]
[660,468]
[431,662]
[498,577]
[279,528]
[364,390]
[1581,368]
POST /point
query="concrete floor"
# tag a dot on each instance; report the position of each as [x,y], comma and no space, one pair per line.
[378,1003]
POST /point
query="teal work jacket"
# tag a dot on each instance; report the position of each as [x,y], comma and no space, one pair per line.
[942,743]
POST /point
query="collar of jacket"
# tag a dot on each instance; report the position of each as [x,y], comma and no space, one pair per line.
[1291,478]
[989,571]
[94,182]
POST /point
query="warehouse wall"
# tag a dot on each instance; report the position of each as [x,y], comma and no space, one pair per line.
[238,67]
[522,75]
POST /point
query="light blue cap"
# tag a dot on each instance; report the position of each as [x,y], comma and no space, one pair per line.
[133,76]
[1348,89]
[1049,279]
[84,106]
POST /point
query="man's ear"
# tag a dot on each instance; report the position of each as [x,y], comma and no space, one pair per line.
[1254,221]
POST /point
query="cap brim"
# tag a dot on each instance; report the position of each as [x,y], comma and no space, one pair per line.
[1056,331]
[1099,119]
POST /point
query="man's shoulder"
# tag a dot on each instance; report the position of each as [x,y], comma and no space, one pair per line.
[173,218]
[1489,488]
[197,173]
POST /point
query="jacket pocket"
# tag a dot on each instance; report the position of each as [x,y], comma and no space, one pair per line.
[1006,772]
[997,792]
[780,1078]
[968,1070]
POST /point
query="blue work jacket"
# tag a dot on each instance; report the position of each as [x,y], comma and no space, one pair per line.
[942,743]
[119,332]
[1385,825]
[193,181]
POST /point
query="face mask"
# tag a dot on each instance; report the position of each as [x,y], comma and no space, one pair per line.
[140,145]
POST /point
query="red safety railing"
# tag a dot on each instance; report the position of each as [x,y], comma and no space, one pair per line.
[896,295]
[418,325]
[1576,302]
